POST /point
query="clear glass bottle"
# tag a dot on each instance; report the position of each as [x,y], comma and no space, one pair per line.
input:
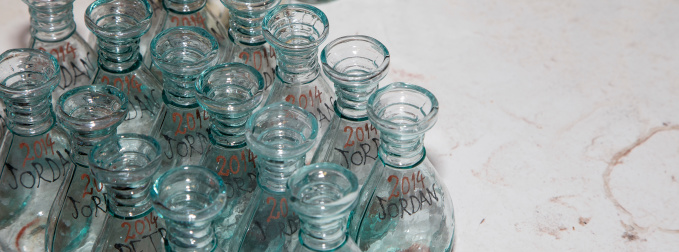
[34,152]
[90,114]
[118,25]
[403,206]
[323,195]
[246,42]
[355,64]
[296,31]
[125,165]
[182,53]
[230,93]
[53,31]
[190,13]
[188,199]
[280,135]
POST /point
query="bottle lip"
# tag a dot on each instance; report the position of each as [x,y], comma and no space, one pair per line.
[31,55]
[184,37]
[119,8]
[100,162]
[217,103]
[323,173]
[289,118]
[353,78]
[92,123]
[401,121]
[211,184]
[273,15]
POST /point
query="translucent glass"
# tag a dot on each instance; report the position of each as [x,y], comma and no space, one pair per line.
[230,93]
[190,13]
[279,134]
[323,195]
[34,152]
[246,43]
[189,198]
[296,31]
[125,164]
[355,64]
[90,114]
[403,206]
[118,25]
[182,53]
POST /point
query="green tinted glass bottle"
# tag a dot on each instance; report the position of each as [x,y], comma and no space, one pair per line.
[34,151]
[230,93]
[403,205]
[355,64]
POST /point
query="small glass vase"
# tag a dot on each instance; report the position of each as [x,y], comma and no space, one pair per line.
[230,93]
[323,195]
[125,165]
[34,152]
[403,206]
[296,31]
[280,135]
[182,53]
[355,64]
[188,199]
[118,25]
[90,114]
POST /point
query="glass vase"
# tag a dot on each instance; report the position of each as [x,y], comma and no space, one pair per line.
[403,206]
[355,64]
[34,152]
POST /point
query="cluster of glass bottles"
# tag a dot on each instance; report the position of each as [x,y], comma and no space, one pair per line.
[188,134]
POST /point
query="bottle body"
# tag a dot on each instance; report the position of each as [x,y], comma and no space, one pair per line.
[272,226]
[182,133]
[140,233]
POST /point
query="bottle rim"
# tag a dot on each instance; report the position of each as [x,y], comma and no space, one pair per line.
[407,94]
[272,16]
[356,79]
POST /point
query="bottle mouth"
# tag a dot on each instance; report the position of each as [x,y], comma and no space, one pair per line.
[323,190]
[118,20]
[92,108]
[355,60]
[281,131]
[230,89]
[125,160]
[403,109]
[295,27]
[28,74]
[189,194]
[184,50]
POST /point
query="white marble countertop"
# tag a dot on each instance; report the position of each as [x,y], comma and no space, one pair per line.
[558,127]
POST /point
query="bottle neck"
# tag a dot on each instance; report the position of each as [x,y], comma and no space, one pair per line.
[246,29]
[184,6]
[82,143]
[401,152]
[119,56]
[52,23]
[298,67]
[29,117]
[226,131]
[273,174]
[323,234]
[353,102]
[191,237]
[179,90]
[129,202]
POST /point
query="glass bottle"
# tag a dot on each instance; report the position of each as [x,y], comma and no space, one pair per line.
[246,42]
[190,13]
[53,31]
[118,25]
[230,93]
[125,165]
[280,135]
[323,195]
[182,53]
[34,152]
[403,206]
[355,64]
[296,31]
[188,199]
[90,114]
